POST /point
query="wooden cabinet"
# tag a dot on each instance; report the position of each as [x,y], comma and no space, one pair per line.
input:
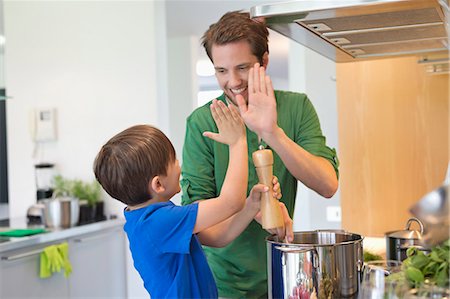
[98,269]
[393,140]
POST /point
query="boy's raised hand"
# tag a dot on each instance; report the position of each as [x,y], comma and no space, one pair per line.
[229,123]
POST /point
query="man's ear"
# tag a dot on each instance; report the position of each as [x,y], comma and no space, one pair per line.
[265,59]
[156,185]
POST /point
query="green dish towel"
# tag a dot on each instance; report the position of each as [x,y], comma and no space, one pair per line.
[53,259]
[22,232]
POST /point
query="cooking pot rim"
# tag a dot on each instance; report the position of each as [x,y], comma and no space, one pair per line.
[358,238]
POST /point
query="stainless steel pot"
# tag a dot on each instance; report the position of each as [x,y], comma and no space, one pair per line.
[61,212]
[326,263]
[397,242]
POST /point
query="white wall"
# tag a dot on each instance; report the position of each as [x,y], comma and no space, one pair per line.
[102,65]
[315,75]
[94,61]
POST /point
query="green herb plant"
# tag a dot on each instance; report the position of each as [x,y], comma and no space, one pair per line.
[62,186]
[90,191]
[369,256]
[432,268]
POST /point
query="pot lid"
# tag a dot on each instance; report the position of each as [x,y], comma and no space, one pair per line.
[405,234]
[408,233]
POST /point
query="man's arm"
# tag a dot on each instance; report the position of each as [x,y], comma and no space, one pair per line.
[260,116]
[225,232]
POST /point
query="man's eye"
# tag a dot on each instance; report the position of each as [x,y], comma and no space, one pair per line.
[220,71]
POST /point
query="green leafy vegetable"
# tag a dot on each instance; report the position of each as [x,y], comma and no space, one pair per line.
[432,268]
[369,256]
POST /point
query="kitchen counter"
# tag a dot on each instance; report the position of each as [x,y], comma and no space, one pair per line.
[97,254]
[52,234]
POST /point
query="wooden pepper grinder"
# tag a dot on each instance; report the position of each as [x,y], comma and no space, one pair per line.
[270,208]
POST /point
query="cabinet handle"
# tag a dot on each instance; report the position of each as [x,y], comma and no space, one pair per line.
[21,255]
[87,239]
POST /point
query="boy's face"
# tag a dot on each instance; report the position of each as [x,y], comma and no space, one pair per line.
[232,63]
[172,180]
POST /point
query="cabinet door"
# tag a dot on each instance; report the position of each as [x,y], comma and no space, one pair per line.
[98,265]
[19,276]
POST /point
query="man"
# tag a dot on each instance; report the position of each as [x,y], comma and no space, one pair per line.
[285,122]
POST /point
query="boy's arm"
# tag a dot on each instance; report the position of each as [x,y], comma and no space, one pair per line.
[233,193]
[225,232]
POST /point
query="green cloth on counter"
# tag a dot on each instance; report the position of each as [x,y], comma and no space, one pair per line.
[53,259]
[22,232]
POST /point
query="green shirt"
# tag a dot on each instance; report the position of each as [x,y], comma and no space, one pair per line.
[240,269]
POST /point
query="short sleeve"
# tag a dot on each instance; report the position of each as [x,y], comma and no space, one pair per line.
[172,228]
[197,171]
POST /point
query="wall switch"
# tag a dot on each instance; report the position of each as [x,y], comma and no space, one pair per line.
[334,214]
[44,124]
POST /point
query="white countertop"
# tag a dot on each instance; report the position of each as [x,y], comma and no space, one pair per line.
[52,235]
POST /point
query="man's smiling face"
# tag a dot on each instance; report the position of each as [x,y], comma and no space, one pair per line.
[232,63]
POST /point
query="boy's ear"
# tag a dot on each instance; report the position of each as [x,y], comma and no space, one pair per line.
[156,185]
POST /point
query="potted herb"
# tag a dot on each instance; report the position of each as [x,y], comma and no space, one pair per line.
[62,186]
[91,204]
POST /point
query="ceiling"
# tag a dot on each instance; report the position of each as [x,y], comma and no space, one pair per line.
[182,18]
[193,17]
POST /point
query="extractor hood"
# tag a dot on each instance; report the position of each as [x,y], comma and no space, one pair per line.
[350,30]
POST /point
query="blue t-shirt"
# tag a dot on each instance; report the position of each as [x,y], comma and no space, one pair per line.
[167,255]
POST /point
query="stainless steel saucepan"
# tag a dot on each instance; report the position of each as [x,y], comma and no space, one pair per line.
[321,263]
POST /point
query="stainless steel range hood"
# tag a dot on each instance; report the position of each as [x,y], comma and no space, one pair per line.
[358,30]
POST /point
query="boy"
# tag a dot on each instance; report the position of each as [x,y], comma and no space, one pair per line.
[139,167]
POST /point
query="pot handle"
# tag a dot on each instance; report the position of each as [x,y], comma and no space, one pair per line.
[294,249]
[412,219]
[360,255]
[315,261]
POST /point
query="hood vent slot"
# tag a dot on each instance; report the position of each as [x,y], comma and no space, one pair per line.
[369,30]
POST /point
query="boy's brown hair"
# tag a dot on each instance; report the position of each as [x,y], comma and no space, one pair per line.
[130,160]
[235,26]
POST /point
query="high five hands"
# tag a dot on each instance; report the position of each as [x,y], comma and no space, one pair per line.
[259,113]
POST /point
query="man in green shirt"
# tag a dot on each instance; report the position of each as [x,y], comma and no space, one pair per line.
[285,122]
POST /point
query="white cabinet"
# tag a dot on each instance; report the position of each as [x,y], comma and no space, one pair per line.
[19,276]
[98,265]
[98,262]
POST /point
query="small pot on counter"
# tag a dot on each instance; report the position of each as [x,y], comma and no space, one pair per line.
[61,211]
[397,242]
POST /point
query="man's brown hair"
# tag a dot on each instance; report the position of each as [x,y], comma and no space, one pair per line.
[130,160]
[236,26]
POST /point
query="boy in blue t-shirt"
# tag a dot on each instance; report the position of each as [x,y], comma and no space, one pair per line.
[139,168]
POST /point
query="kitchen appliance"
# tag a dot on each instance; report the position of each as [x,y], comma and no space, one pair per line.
[361,29]
[45,173]
[326,263]
[35,214]
[61,212]
[397,242]
[433,211]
